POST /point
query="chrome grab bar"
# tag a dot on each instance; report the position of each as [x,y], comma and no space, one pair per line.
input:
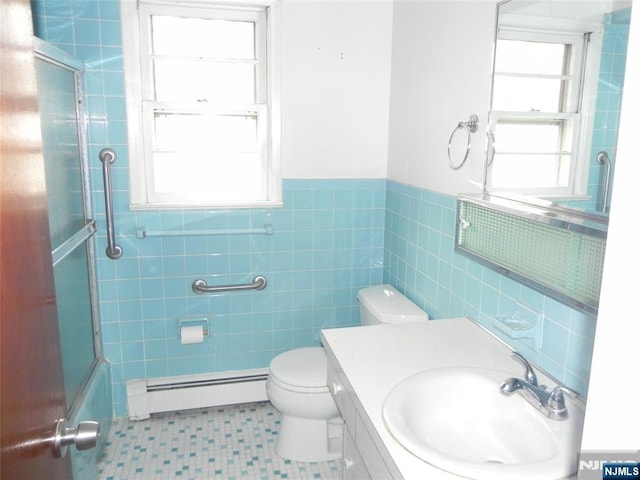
[603,159]
[200,286]
[107,157]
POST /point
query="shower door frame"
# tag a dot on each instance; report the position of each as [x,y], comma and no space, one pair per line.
[46,52]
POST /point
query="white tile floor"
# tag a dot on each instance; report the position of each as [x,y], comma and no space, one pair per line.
[232,442]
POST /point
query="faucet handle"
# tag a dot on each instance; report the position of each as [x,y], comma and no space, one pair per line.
[555,404]
[529,374]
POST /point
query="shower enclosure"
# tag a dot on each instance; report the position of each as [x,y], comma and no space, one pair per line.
[86,374]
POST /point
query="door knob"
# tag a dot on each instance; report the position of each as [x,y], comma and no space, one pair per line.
[84,436]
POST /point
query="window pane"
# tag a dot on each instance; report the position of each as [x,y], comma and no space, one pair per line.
[535,79]
[205,132]
[529,171]
[528,138]
[521,94]
[183,80]
[200,176]
[516,56]
[203,37]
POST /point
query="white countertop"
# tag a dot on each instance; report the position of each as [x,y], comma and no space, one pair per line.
[376,358]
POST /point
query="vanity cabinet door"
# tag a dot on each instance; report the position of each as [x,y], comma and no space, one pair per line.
[370,454]
[361,458]
[338,387]
[353,467]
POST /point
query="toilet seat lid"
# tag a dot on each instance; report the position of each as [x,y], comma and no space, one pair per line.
[302,367]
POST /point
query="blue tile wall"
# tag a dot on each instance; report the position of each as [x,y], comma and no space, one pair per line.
[420,259]
[327,243]
[608,103]
[609,100]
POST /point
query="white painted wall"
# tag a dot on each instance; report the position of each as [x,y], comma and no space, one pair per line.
[336,75]
[441,74]
[613,409]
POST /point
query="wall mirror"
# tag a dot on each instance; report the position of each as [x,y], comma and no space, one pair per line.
[558,80]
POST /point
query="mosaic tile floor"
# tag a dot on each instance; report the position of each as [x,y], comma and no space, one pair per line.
[230,443]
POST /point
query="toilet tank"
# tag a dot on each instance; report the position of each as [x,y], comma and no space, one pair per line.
[385,304]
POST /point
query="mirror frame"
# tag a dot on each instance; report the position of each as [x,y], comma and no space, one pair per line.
[591,215]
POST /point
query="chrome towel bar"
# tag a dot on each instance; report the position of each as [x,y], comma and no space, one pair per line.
[200,286]
[107,157]
[142,232]
[471,126]
[69,245]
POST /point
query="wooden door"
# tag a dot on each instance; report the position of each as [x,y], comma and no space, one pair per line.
[32,395]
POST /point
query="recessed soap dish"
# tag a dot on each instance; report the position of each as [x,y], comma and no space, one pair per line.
[523,323]
[515,326]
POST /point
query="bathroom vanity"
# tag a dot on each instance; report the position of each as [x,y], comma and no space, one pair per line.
[364,365]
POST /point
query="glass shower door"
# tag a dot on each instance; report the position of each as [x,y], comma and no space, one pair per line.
[60,89]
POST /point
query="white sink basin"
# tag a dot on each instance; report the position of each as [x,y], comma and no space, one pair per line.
[458,420]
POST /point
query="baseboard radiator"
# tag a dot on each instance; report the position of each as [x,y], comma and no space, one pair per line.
[168,394]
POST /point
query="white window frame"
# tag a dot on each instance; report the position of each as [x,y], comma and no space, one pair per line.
[579,110]
[141,106]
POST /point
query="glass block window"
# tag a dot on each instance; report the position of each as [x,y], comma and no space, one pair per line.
[561,262]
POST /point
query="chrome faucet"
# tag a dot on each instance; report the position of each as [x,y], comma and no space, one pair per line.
[529,374]
[549,402]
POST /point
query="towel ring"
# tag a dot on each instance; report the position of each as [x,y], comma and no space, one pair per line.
[471,126]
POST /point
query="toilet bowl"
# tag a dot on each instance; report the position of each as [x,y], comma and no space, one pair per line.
[310,424]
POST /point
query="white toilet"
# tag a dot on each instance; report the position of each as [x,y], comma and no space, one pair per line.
[310,424]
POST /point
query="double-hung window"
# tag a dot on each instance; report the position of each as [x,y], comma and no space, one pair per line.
[536,113]
[202,105]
